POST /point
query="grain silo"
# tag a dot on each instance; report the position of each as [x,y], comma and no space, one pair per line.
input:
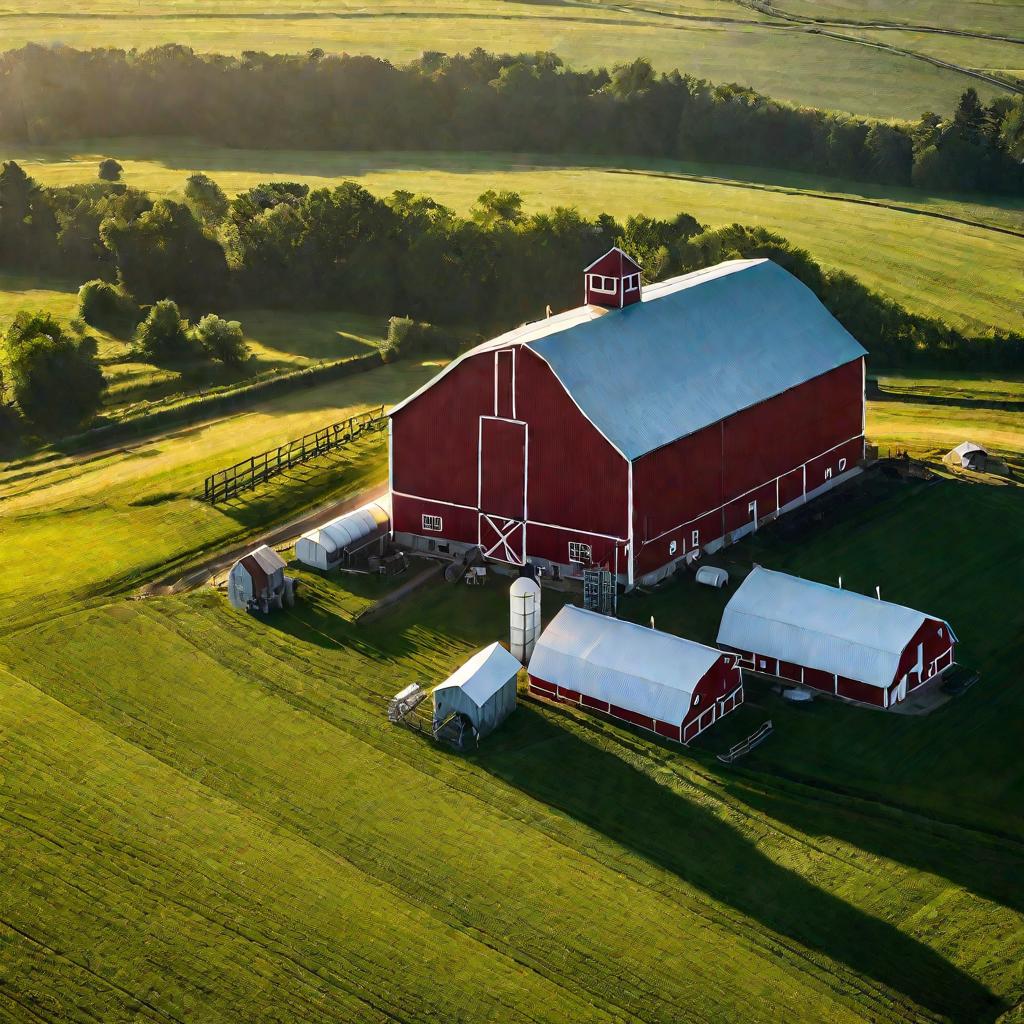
[524,617]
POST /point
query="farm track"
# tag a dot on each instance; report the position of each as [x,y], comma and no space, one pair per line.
[831,197]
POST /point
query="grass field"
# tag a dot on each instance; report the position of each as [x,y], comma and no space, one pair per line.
[966,273]
[166,857]
[716,39]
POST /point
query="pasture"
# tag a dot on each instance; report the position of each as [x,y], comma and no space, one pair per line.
[960,269]
[166,855]
[777,52]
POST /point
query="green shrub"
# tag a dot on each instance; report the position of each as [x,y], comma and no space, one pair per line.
[107,306]
[54,376]
[220,339]
[110,170]
[163,336]
[408,337]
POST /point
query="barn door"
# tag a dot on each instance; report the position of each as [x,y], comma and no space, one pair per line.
[502,489]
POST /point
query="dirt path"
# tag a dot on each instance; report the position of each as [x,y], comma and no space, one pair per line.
[202,573]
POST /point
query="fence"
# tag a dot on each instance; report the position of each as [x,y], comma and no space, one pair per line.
[747,745]
[258,469]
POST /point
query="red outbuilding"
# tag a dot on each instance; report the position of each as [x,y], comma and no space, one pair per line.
[838,641]
[659,682]
[632,434]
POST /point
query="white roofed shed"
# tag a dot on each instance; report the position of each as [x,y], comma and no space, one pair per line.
[483,689]
[632,672]
[340,541]
[828,630]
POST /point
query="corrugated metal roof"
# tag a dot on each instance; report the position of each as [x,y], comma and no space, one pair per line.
[351,529]
[270,561]
[822,627]
[484,674]
[640,669]
[966,448]
[693,351]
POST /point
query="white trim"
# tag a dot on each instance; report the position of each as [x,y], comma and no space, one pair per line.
[514,361]
[740,497]
[614,248]
[391,470]
[436,501]
[629,522]
[593,286]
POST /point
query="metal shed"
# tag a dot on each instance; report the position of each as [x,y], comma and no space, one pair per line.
[483,689]
[348,540]
[969,455]
[257,581]
[712,576]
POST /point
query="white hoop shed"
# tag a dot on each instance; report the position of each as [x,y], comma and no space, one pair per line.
[346,540]
[483,689]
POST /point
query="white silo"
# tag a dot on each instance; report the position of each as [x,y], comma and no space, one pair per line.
[524,617]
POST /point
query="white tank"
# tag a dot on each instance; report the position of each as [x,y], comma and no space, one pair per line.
[524,617]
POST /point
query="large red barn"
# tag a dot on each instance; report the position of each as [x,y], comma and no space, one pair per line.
[634,434]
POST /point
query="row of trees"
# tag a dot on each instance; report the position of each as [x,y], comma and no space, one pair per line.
[486,101]
[281,244]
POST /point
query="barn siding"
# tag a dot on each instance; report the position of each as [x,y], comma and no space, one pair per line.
[706,481]
[934,647]
[503,468]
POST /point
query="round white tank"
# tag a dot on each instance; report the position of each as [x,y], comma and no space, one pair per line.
[524,617]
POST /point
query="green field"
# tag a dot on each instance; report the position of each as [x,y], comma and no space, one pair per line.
[960,269]
[205,816]
[715,39]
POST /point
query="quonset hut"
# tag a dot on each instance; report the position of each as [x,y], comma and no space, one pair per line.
[660,682]
[348,541]
[635,430]
[839,641]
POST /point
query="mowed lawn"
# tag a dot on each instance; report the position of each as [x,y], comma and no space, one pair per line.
[714,39]
[965,273]
[111,519]
[205,815]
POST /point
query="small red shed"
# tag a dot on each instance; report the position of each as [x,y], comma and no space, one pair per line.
[663,683]
[839,641]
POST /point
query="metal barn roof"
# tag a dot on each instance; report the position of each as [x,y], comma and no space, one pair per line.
[634,667]
[483,675]
[822,627]
[694,350]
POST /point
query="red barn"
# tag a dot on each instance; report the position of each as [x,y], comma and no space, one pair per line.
[633,434]
[660,682]
[839,641]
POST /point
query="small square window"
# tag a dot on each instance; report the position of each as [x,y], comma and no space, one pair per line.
[695,539]
[432,523]
[828,473]
[842,465]
[580,553]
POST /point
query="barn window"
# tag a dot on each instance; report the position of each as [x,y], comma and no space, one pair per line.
[828,473]
[604,285]
[579,552]
[842,465]
[672,547]
[432,523]
[695,539]
[632,282]
[940,632]
[696,700]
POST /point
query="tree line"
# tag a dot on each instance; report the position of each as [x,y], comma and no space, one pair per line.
[487,101]
[282,244]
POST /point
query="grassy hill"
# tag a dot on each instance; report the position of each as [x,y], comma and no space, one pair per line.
[779,48]
[963,264]
[205,815]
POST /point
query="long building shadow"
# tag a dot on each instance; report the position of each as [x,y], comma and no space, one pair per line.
[988,866]
[593,785]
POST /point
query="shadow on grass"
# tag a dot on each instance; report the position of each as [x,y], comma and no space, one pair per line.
[603,791]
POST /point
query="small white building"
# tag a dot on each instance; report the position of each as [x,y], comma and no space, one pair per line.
[483,690]
[257,581]
[347,541]
[969,455]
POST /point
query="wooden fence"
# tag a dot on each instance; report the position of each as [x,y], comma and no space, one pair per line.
[736,752]
[257,469]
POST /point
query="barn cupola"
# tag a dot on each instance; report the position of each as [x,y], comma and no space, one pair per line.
[612,281]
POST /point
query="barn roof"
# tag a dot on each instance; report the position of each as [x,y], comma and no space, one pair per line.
[484,674]
[261,564]
[812,624]
[615,261]
[966,448]
[637,668]
[693,351]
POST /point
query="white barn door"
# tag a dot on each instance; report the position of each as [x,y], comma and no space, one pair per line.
[502,489]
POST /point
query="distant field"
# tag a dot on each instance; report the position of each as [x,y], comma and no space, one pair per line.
[716,39]
[962,272]
[205,814]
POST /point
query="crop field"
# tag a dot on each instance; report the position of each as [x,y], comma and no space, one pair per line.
[965,269]
[205,815]
[781,53]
